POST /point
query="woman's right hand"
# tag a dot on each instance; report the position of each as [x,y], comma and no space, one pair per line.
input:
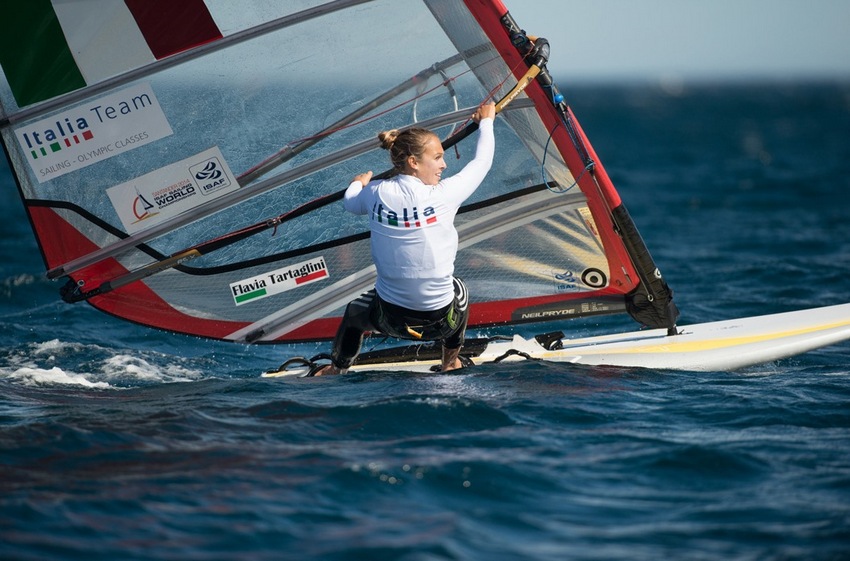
[363,178]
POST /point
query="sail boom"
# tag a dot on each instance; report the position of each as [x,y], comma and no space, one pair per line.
[241,195]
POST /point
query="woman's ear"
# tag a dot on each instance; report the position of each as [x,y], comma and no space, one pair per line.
[412,163]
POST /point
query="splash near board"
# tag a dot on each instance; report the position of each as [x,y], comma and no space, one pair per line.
[191,182]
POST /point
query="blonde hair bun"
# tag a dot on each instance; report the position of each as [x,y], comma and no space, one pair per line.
[406,143]
[388,138]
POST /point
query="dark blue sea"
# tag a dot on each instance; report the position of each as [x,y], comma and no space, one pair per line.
[121,442]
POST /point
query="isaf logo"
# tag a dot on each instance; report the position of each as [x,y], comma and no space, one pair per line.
[209,176]
[591,277]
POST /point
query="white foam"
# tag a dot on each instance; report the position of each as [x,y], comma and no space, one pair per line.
[9,284]
[55,346]
[39,376]
[123,366]
[19,280]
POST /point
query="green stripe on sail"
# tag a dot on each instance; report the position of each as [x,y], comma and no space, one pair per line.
[34,54]
[251,295]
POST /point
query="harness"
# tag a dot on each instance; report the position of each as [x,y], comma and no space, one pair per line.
[403,323]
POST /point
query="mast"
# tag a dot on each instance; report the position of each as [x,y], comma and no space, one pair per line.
[650,302]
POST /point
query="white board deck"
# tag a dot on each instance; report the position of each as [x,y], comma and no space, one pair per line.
[721,345]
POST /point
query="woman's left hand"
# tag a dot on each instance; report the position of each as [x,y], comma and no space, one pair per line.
[488,110]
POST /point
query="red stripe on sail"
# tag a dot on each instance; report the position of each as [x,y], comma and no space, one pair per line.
[60,242]
[312,276]
[318,329]
[170,27]
[136,302]
[623,274]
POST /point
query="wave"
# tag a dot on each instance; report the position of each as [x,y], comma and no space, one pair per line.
[9,284]
[64,363]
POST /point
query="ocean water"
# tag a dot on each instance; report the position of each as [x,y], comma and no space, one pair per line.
[120,442]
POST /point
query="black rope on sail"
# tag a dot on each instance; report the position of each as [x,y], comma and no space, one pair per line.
[307,250]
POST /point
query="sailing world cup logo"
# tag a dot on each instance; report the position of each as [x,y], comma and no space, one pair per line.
[209,176]
[165,192]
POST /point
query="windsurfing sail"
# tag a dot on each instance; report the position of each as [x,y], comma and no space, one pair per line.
[182,163]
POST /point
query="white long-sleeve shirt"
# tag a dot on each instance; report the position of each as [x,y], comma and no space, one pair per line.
[414,241]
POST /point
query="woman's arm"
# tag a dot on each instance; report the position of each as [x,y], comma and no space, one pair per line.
[461,185]
[351,201]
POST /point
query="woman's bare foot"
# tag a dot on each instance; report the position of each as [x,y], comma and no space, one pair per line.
[330,370]
[451,360]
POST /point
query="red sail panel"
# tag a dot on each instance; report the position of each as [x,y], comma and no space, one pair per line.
[137,303]
[170,27]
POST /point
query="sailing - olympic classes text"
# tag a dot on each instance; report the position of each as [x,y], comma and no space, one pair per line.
[96,153]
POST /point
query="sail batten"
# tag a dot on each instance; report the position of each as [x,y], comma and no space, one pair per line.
[200,193]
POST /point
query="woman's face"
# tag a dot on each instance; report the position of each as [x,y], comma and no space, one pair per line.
[429,167]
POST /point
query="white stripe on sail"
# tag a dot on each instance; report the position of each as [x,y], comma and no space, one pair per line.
[103,37]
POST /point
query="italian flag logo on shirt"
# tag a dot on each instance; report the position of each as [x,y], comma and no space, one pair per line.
[406,218]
